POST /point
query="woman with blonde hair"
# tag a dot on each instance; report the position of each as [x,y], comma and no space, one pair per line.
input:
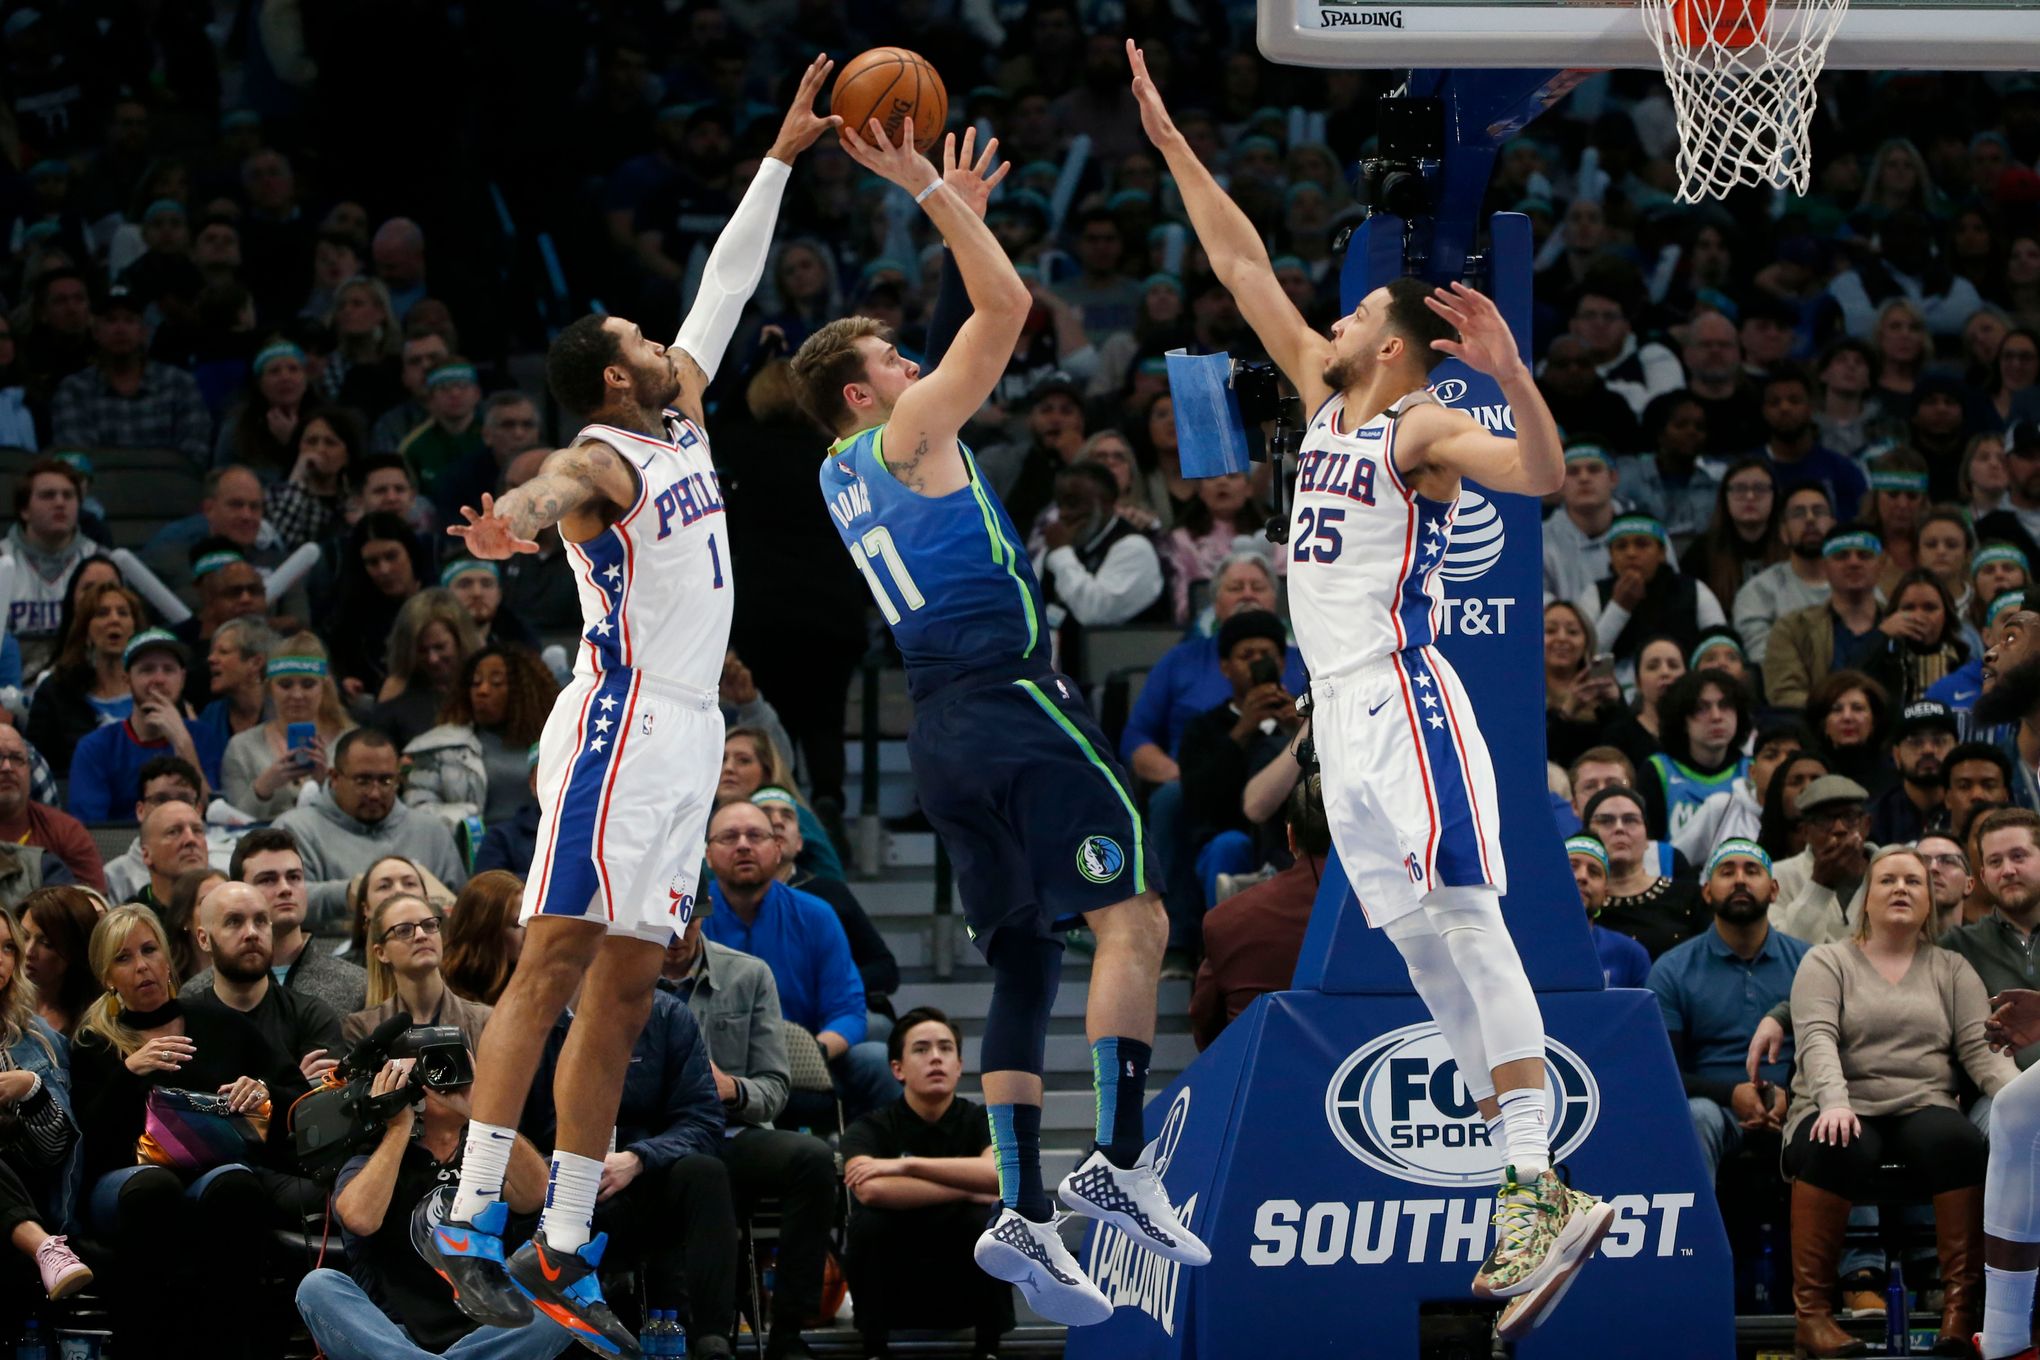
[432,638]
[388,876]
[363,372]
[406,943]
[88,686]
[1903,350]
[167,1237]
[751,761]
[262,772]
[1886,1028]
[484,936]
[38,1132]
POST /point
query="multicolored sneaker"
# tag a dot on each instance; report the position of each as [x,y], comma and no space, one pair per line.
[567,1287]
[1544,1231]
[1032,1255]
[1132,1200]
[1525,1313]
[469,1257]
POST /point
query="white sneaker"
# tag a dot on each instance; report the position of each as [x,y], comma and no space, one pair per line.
[1132,1200]
[1032,1255]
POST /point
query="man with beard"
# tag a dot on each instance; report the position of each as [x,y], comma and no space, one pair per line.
[2010,702]
[1798,582]
[234,927]
[1713,991]
[1924,736]
[1810,643]
[2000,946]
[1792,443]
[1979,778]
[627,764]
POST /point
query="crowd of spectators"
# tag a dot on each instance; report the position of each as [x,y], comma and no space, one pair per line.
[1785,628]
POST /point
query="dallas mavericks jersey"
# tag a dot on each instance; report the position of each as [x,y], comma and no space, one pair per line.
[1686,789]
[655,586]
[1364,547]
[948,572]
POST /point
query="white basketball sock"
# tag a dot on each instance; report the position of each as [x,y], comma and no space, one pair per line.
[1524,1129]
[2007,1311]
[483,1163]
[569,1215]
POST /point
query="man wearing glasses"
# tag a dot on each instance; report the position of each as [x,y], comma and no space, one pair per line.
[1798,582]
[357,819]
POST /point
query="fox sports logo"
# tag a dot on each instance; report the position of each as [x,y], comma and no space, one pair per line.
[1398,1104]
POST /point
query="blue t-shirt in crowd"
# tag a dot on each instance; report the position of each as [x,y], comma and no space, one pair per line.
[1624,962]
[801,941]
[1184,684]
[106,769]
[1712,1001]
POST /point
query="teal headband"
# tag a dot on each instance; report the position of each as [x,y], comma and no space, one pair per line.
[453,571]
[163,207]
[773,795]
[213,561]
[1736,848]
[1631,525]
[282,350]
[1163,281]
[314,666]
[2005,603]
[154,637]
[449,373]
[1589,453]
[2000,552]
[1587,845]
[1709,644]
[1899,481]
[1856,540]
[1295,262]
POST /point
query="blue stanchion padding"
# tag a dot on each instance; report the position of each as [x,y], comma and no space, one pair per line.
[1210,438]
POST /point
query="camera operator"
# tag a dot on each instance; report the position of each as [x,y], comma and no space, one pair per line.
[388,1305]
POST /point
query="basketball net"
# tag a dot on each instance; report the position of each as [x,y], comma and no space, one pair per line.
[1742,74]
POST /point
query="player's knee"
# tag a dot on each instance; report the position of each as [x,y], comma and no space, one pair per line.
[1139,925]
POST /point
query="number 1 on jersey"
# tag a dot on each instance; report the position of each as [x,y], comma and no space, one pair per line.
[715,561]
[877,545]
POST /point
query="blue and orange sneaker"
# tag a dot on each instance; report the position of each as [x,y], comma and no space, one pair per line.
[469,1257]
[567,1287]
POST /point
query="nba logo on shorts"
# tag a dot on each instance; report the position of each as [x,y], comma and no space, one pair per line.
[1416,869]
[1100,859]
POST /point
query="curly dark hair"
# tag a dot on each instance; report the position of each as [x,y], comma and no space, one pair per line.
[532,691]
[574,363]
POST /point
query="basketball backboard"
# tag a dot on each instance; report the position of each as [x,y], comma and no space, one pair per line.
[1877,35]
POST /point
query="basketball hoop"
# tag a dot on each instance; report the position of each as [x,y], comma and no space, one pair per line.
[1742,74]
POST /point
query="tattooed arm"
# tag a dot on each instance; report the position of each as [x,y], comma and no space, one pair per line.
[573,481]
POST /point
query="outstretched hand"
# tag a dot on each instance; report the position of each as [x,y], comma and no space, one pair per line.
[901,164]
[489,535]
[1485,341]
[1154,115]
[973,181]
[802,123]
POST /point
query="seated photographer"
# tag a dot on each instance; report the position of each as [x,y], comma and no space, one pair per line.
[1227,745]
[234,927]
[922,1175]
[736,1003]
[664,1200]
[267,859]
[388,1304]
[172,1222]
[405,943]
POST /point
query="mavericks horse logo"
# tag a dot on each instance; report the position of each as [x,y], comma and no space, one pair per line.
[1100,859]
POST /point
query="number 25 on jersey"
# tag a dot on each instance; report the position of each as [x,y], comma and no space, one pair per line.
[875,545]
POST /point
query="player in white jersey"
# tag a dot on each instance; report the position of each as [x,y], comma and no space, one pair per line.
[1408,788]
[627,767]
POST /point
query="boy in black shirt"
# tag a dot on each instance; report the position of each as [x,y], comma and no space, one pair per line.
[922,1174]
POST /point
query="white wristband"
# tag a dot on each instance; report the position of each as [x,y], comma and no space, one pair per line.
[922,197]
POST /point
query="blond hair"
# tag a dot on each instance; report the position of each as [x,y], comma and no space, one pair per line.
[102,1017]
[382,979]
[17,999]
[827,361]
[1890,852]
[333,719]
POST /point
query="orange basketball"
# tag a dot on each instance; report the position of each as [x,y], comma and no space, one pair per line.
[892,85]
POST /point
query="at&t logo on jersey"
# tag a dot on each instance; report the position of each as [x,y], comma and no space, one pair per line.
[1399,1104]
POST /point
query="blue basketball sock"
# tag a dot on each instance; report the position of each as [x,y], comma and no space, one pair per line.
[1119,1070]
[1016,1143]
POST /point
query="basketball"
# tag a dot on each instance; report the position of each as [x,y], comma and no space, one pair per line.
[892,85]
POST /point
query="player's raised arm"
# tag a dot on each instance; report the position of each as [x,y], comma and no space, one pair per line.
[920,446]
[1533,463]
[1238,256]
[572,479]
[738,261]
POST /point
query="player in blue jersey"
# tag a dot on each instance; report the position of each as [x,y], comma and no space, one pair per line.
[1012,771]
